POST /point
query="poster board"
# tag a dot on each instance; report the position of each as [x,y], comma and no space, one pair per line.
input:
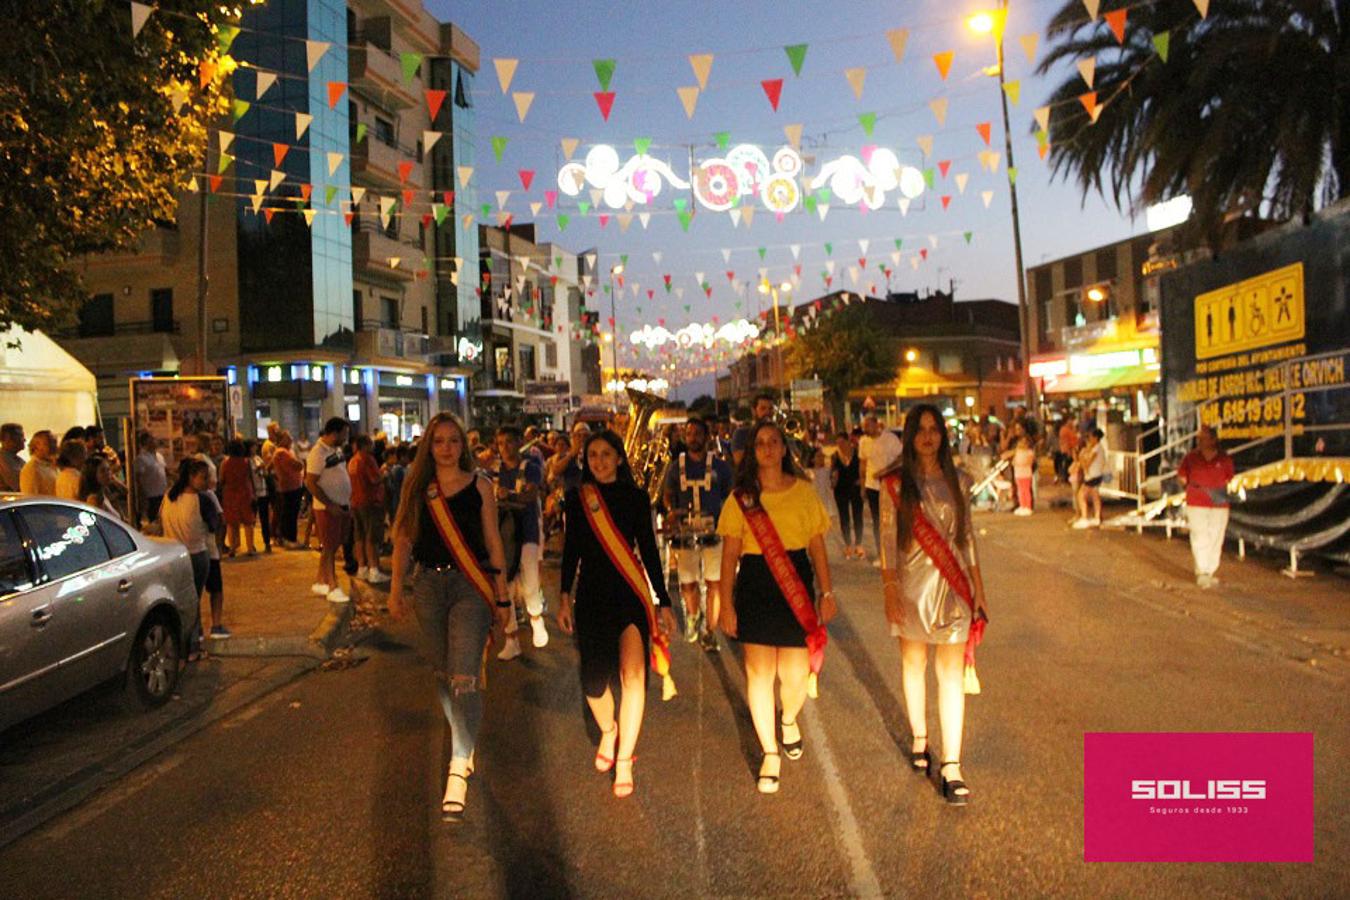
[172,408]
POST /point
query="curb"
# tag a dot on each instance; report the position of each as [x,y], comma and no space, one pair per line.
[322,641]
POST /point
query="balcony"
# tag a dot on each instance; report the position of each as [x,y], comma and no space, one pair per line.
[372,250]
[374,340]
[375,164]
[375,71]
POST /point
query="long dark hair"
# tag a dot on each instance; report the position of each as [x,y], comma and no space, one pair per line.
[422,470]
[186,470]
[907,467]
[747,475]
[89,485]
[625,472]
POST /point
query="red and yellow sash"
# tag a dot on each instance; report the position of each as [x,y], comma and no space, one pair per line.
[937,549]
[454,540]
[789,582]
[621,554]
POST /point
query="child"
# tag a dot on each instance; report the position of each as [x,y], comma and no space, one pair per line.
[1023,457]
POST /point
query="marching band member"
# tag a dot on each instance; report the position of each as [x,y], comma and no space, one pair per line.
[447,525]
[695,488]
[932,586]
[615,621]
[774,530]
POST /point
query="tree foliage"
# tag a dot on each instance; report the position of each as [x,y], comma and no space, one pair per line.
[1251,110]
[845,350]
[92,152]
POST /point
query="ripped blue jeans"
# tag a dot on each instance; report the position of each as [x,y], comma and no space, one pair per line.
[455,623]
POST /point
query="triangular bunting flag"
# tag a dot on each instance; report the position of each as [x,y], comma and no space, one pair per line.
[265,81]
[983,129]
[502,197]
[688,99]
[465,173]
[925,143]
[1042,115]
[411,63]
[278,177]
[701,63]
[773,89]
[856,76]
[335,91]
[796,54]
[943,61]
[605,101]
[329,193]
[986,196]
[943,166]
[1203,7]
[279,152]
[314,51]
[604,71]
[642,145]
[897,38]
[522,99]
[238,108]
[139,14]
[868,121]
[535,206]
[1014,91]
[223,162]
[1089,101]
[434,100]
[506,70]
[1012,174]
[946,201]
[569,147]
[334,160]
[429,139]
[1029,43]
[1115,19]
[225,138]
[1162,42]
[1092,7]
[404,170]
[961,179]
[306,190]
[939,108]
[309,216]
[1088,69]
[735,214]
[358,194]
[723,139]
[526,178]
[302,121]
[498,147]
[216,181]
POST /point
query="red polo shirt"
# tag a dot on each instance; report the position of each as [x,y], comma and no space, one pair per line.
[1206,478]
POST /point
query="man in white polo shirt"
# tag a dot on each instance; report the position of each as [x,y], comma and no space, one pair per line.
[331,488]
[878,448]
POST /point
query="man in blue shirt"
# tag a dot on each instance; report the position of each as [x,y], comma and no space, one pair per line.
[519,478]
[697,483]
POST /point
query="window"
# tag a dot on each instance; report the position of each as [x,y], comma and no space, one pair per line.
[66,539]
[1073,272]
[1106,264]
[16,572]
[96,316]
[425,330]
[551,355]
[949,364]
[384,131]
[115,536]
[389,307]
[161,310]
[357,317]
[527,363]
[1042,284]
[1044,324]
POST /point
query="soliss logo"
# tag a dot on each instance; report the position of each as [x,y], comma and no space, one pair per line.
[1204,790]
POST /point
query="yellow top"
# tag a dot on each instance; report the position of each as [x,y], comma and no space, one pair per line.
[796,514]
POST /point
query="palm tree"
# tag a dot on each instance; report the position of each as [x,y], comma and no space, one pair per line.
[1250,112]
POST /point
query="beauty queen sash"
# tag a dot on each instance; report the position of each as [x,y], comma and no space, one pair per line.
[465,561]
[788,581]
[937,549]
[621,554]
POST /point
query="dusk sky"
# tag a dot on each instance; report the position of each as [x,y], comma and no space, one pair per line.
[651,43]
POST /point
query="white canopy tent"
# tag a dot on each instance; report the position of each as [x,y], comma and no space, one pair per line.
[43,386]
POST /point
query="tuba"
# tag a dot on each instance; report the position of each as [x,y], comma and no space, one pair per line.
[645,441]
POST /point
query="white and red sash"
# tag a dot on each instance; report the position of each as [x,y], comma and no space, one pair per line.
[785,575]
[625,560]
[937,549]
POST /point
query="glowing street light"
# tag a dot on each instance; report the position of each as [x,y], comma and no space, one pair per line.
[1096,294]
[911,355]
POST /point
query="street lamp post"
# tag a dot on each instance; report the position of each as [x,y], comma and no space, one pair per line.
[766,288]
[985,23]
[614,332]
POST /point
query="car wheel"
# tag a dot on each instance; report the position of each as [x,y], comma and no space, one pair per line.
[152,670]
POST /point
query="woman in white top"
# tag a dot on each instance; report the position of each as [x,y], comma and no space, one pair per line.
[185,518]
[1092,462]
[69,464]
[94,481]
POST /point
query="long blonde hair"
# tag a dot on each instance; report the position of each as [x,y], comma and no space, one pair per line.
[422,470]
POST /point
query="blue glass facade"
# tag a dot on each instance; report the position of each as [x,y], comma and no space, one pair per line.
[457,305]
[295,281]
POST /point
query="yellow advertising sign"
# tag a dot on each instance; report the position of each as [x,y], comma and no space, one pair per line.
[1258,312]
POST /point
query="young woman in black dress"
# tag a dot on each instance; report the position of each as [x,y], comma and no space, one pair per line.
[456,607]
[610,620]
[844,474]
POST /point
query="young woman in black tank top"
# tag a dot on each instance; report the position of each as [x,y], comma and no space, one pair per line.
[453,613]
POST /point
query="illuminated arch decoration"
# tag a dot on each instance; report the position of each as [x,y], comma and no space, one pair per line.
[639,180]
[695,335]
[721,182]
[852,181]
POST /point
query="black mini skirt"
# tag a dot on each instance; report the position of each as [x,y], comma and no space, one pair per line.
[762,612]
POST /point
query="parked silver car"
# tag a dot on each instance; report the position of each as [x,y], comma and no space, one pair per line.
[84,599]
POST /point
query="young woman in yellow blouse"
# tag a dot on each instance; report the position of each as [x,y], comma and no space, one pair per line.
[761,615]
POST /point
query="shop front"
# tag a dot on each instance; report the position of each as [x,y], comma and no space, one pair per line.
[403,405]
[1110,371]
[294,395]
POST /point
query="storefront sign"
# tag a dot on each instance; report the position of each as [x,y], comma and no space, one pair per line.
[547,396]
[808,395]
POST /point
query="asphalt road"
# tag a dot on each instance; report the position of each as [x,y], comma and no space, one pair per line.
[330,787]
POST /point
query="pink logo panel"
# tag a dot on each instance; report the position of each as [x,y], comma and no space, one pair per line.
[1236,797]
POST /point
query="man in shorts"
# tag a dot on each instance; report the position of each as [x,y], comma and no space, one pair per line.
[697,483]
[331,489]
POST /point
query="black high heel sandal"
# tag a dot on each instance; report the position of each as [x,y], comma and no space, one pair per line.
[792,749]
[921,760]
[954,792]
[767,784]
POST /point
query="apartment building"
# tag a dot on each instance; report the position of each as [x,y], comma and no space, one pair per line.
[332,240]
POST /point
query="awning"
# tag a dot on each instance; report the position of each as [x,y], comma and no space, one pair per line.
[1333,469]
[1087,382]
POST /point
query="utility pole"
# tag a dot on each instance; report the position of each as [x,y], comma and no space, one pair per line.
[203,283]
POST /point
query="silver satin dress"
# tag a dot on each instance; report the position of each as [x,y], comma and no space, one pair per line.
[933,613]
